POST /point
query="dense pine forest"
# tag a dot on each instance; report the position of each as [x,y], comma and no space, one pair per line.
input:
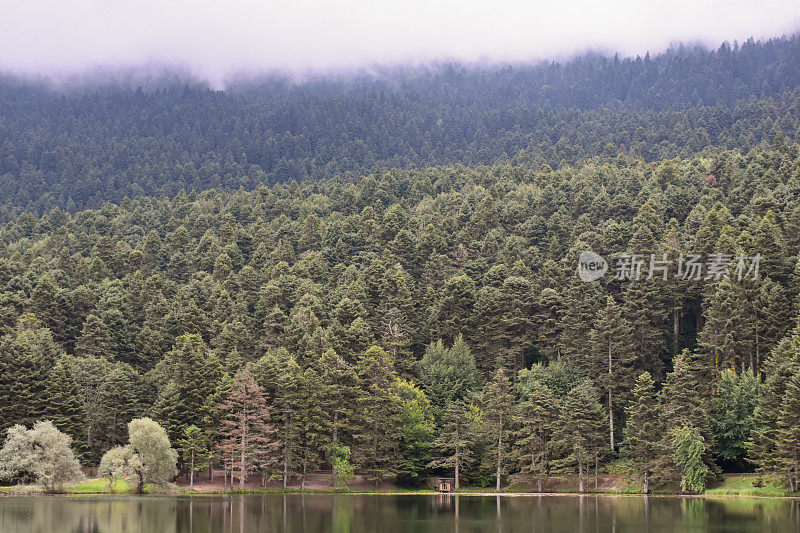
[83,146]
[380,276]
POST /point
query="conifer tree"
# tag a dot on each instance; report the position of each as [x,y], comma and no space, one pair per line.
[95,340]
[732,409]
[688,450]
[613,357]
[780,366]
[248,440]
[63,406]
[448,374]
[338,394]
[380,419]
[788,435]
[454,442]
[193,447]
[536,419]
[498,421]
[416,432]
[580,430]
[644,431]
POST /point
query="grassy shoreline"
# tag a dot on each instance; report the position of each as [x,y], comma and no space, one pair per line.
[732,486]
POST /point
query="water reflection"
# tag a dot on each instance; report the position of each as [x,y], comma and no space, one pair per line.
[389,513]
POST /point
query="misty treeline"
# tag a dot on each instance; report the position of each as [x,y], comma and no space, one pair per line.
[411,323]
[81,147]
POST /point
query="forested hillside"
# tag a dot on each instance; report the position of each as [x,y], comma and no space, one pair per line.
[426,319]
[80,147]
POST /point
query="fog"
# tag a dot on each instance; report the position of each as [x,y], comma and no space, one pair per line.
[216,40]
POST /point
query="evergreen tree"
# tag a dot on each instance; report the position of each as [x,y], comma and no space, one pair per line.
[63,406]
[580,430]
[498,421]
[416,432]
[248,440]
[644,431]
[454,442]
[95,340]
[612,363]
[448,374]
[688,450]
[788,441]
[536,418]
[779,368]
[193,447]
[732,421]
[377,435]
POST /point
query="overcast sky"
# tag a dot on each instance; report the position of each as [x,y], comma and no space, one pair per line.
[217,38]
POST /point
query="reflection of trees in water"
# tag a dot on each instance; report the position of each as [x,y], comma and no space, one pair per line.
[388,513]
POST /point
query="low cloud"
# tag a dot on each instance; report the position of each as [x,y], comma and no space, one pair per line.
[219,39]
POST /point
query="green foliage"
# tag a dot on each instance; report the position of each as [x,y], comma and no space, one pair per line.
[448,374]
[342,469]
[733,407]
[644,431]
[416,431]
[688,448]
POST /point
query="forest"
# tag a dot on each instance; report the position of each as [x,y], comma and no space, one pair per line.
[412,307]
[81,146]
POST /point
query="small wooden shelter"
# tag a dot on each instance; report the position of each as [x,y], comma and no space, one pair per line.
[444,484]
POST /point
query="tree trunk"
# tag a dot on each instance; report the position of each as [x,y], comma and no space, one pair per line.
[646,489]
[499,452]
[191,472]
[285,470]
[610,403]
[539,485]
[242,461]
[596,465]
[457,469]
[580,476]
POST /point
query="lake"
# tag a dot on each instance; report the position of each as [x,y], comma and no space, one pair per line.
[392,513]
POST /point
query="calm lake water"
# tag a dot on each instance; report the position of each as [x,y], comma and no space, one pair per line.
[389,513]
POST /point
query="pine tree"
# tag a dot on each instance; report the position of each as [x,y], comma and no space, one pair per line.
[644,431]
[95,340]
[613,357]
[170,411]
[63,406]
[686,401]
[732,421]
[248,440]
[498,420]
[194,371]
[416,433]
[338,394]
[548,321]
[455,441]
[780,366]
[26,356]
[536,418]
[688,450]
[448,374]
[378,452]
[193,447]
[580,430]
[788,434]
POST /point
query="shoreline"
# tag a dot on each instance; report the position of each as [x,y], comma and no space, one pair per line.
[11,491]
